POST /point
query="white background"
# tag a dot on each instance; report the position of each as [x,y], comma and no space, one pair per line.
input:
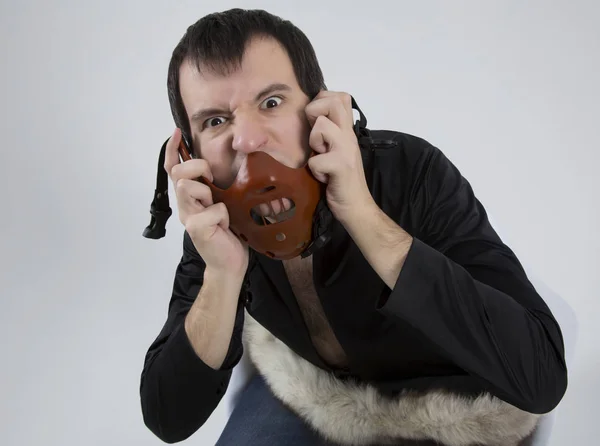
[509,90]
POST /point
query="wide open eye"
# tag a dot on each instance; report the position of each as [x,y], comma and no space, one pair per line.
[271,102]
[214,121]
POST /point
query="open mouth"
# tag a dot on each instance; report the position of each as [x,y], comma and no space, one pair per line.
[274,211]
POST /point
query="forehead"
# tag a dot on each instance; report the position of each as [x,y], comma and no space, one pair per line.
[265,61]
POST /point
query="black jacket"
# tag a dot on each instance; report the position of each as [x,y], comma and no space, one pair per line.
[462,316]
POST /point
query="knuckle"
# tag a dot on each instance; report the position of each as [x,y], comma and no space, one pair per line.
[340,101]
[192,223]
[174,171]
[181,184]
[207,195]
[203,166]
[320,119]
[221,209]
[198,167]
[202,163]
[189,227]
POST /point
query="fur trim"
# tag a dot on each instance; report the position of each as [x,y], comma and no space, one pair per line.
[356,414]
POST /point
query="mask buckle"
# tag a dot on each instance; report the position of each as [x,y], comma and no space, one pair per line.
[160,213]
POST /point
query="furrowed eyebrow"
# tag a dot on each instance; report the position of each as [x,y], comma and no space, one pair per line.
[271,89]
[203,114]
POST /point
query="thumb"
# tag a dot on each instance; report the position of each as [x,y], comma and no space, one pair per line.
[322,166]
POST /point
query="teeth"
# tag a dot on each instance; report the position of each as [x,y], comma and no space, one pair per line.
[275,207]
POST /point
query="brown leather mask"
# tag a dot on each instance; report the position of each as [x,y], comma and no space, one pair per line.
[262,180]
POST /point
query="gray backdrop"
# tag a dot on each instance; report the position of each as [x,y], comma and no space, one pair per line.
[507,89]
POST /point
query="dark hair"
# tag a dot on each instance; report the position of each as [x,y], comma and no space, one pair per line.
[217,42]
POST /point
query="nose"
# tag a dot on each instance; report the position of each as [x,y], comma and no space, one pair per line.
[248,135]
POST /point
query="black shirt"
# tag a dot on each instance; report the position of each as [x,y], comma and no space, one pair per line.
[462,316]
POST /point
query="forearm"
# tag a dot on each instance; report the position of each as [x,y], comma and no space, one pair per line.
[481,326]
[209,323]
[178,390]
[488,329]
[384,244]
[181,383]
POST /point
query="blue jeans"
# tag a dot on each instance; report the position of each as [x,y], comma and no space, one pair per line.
[260,419]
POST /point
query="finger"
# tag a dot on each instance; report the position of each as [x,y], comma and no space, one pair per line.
[326,94]
[323,135]
[193,195]
[204,223]
[323,166]
[335,106]
[222,211]
[346,98]
[171,151]
[192,169]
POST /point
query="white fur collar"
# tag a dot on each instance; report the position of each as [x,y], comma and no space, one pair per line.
[357,415]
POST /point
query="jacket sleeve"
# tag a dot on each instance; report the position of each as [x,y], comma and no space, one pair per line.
[178,390]
[467,292]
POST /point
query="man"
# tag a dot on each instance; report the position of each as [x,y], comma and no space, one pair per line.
[412,323]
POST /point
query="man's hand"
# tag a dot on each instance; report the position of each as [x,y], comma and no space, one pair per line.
[206,222]
[338,162]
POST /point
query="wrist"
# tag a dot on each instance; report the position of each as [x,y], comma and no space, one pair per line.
[224,277]
[361,216]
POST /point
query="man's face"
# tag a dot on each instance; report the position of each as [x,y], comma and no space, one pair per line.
[258,107]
